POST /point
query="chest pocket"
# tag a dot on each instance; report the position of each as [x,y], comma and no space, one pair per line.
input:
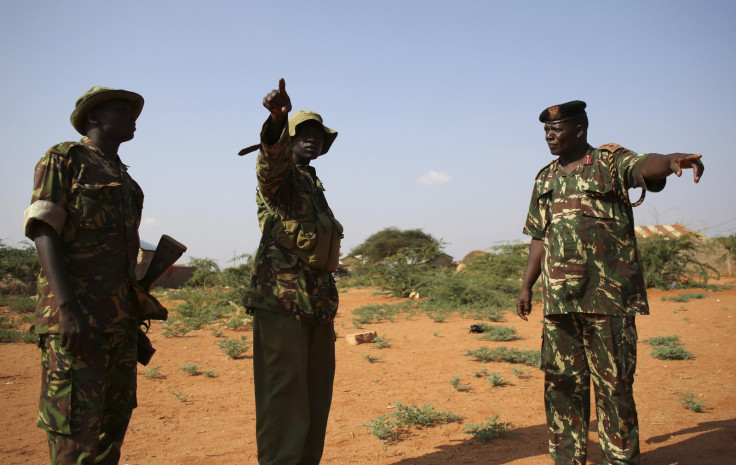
[600,200]
[98,206]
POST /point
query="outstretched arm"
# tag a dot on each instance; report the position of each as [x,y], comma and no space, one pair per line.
[659,166]
[533,270]
[278,103]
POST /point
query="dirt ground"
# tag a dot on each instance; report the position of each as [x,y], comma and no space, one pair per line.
[190,420]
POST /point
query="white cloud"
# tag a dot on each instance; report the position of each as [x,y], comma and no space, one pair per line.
[150,222]
[433,177]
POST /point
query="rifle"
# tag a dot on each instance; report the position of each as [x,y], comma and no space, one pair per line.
[166,254]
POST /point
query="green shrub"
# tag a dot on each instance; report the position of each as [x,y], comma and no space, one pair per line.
[384,427]
[499,333]
[691,403]
[489,429]
[19,267]
[495,379]
[668,348]
[456,383]
[22,305]
[504,354]
[390,427]
[666,261]
[154,372]
[11,335]
[685,297]
[234,348]
[189,368]
[426,415]
[382,341]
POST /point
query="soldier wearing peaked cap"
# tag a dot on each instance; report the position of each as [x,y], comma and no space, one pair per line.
[581,225]
[84,216]
[293,295]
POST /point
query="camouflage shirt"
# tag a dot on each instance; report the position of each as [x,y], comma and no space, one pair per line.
[95,207]
[282,282]
[590,262]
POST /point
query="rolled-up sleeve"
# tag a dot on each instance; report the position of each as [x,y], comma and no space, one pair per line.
[50,187]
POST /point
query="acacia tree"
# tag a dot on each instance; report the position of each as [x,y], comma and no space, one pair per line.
[414,245]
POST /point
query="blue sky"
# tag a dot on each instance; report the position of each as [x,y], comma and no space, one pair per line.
[436,104]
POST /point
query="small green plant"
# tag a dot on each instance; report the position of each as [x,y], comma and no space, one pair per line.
[437,317]
[488,430]
[519,372]
[209,373]
[685,297]
[504,354]
[238,322]
[390,427]
[371,358]
[456,383]
[190,369]
[691,403]
[436,334]
[154,372]
[382,341]
[426,415]
[482,373]
[234,348]
[217,332]
[500,333]
[181,397]
[668,348]
[384,427]
[174,328]
[22,305]
[495,379]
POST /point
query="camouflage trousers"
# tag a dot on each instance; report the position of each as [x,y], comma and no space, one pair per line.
[294,369]
[86,402]
[574,348]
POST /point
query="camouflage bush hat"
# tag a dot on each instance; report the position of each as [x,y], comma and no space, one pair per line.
[301,116]
[563,112]
[98,94]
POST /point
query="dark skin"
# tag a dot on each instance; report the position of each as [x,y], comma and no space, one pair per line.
[309,136]
[569,140]
[108,125]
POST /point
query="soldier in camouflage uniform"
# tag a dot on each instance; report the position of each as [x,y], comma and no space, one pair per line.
[294,305]
[583,245]
[84,217]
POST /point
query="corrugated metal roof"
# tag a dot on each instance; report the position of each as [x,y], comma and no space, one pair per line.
[670,230]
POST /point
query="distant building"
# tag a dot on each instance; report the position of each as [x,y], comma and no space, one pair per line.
[673,231]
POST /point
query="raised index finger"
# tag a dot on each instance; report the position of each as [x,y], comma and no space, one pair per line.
[282,86]
[284,96]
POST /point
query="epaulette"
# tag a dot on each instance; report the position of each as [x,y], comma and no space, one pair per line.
[63,148]
[544,168]
[610,147]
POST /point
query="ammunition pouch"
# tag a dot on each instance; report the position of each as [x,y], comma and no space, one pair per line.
[316,241]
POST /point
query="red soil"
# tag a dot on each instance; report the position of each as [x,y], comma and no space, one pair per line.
[215,422]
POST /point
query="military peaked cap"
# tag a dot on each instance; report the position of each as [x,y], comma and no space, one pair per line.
[563,112]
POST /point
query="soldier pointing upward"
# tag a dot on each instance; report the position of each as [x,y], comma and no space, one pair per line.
[583,245]
[293,295]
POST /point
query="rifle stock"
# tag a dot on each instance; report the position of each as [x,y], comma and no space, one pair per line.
[167,253]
